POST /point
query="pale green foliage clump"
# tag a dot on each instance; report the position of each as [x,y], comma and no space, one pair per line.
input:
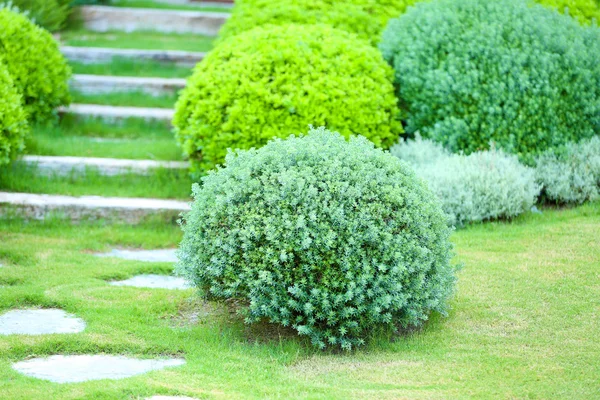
[585,11]
[481,186]
[49,14]
[328,236]
[274,82]
[519,75]
[36,65]
[572,174]
[13,121]
[366,18]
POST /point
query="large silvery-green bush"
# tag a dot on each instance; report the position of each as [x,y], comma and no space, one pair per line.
[571,174]
[274,82]
[366,18]
[472,72]
[328,236]
[13,121]
[33,59]
[482,186]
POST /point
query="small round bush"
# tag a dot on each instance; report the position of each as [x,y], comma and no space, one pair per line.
[481,186]
[34,61]
[328,236]
[472,72]
[366,18]
[571,174]
[585,11]
[13,122]
[275,81]
[49,14]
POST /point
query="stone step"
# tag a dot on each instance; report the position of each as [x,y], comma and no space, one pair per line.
[113,112]
[100,55]
[104,19]
[125,209]
[101,84]
[200,3]
[104,166]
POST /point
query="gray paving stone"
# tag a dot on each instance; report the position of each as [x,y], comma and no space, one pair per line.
[115,112]
[93,55]
[154,282]
[39,322]
[163,255]
[102,84]
[81,368]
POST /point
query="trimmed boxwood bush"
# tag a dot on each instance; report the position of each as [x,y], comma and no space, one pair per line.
[13,122]
[366,18]
[481,186]
[571,174]
[471,72]
[331,237]
[275,81]
[585,11]
[34,61]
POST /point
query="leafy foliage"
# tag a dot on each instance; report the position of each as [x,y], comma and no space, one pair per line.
[481,186]
[13,122]
[366,18]
[275,81]
[471,72]
[571,174]
[49,14]
[585,11]
[330,237]
[34,61]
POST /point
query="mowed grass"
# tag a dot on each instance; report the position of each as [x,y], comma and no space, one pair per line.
[120,66]
[524,321]
[93,137]
[136,40]
[127,99]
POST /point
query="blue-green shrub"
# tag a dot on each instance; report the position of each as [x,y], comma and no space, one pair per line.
[328,236]
[571,174]
[13,121]
[481,186]
[471,72]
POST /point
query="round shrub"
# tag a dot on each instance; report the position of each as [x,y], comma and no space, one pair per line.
[328,236]
[571,174]
[585,11]
[366,18]
[49,14]
[471,72]
[13,122]
[481,186]
[34,61]
[275,81]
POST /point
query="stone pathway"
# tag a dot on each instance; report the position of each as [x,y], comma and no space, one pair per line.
[164,255]
[91,55]
[102,84]
[114,112]
[39,322]
[151,281]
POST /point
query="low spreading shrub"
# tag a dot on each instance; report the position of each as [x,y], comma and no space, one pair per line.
[49,14]
[34,61]
[571,174]
[331,237]
[275,81]
[13,121]
[366,18]
[585,11]
[471,72]
[481,186]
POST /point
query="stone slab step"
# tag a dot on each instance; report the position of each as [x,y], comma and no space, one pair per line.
[105,166]
[113,112]
[200,3]
[99,55]
[125,209]
[104,18]
[101,84]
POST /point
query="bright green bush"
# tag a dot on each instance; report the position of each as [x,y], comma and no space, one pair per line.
[35,63]
[366,18]
[328,236]
[571,174]
[275,81]
[471,72]
[481,186]
[13,121]
[49,14]
[585,11]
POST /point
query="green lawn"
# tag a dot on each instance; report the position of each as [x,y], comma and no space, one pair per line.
[524,322]
[126,67]
[132,99]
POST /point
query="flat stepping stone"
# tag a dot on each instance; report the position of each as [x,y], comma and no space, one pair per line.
[102,84]
[127,209]
[104,166]
[200,3]
[104,19]
[96,55]
[39,322]
[154,282]
[81,368]
[164,255]
[114,112]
